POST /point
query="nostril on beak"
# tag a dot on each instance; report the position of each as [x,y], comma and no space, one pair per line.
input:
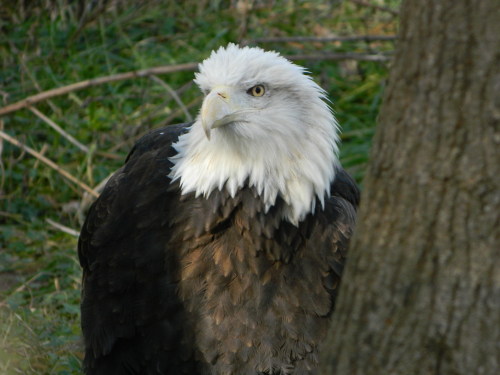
[222,95]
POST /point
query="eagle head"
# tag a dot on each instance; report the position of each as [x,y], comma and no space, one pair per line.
[264,123]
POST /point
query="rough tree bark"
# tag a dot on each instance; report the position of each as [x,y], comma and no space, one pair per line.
[421,292]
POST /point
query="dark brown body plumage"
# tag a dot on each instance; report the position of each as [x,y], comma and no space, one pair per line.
[183,285]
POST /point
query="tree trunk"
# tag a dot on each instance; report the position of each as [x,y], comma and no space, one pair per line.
[421,291]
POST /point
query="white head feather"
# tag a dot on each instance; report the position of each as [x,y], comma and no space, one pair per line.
[285,144]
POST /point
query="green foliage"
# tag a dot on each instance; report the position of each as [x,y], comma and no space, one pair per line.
[39,290]
[52,43]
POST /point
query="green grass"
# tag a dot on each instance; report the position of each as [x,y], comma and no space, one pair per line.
[52,44]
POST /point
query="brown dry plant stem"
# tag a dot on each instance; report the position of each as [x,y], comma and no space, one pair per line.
[174,95]
[326,39]
[58,129]
[62,228]
[29,101]
[340,56]
[48,162]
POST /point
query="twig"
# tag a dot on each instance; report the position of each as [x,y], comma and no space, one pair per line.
[109,155]
[58,129]
[176,113]
[42,151]
[168,121]
[17,217]
[48,162]
[340,56]
[326,39]
[25,284]
[63,228]
[394,12]
[95,82]
[174,95]
[22,60]
[185,87]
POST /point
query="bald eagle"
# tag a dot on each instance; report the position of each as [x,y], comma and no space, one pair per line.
[218,247]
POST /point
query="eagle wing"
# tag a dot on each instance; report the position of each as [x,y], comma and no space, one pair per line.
[116,300]
[335,227]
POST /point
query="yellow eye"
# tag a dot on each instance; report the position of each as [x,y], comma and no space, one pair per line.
[257,90]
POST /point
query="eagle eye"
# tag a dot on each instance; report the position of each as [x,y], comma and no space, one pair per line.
[257,90]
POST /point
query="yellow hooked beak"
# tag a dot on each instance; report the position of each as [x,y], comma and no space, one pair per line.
[218,109]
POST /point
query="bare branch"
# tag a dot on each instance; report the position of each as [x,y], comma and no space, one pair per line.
[31,76]
[174,95]
[168,121]
[63,228]
[95,82]
[48,162]
[196,101]
[340,56]
[109,155]
[326,39]
[58,129]
[42,151]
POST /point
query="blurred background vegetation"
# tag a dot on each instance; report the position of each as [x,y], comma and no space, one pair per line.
[48,44]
